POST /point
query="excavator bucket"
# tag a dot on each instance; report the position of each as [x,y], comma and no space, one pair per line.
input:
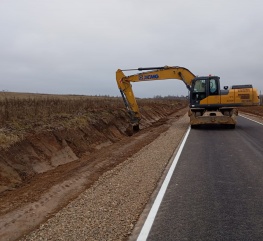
[131,129]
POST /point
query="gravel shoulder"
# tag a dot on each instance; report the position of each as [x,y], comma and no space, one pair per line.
[110,208]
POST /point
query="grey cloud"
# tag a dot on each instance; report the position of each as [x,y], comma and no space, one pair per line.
[76,46]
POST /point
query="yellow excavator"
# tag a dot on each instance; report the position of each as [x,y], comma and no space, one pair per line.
[208,104]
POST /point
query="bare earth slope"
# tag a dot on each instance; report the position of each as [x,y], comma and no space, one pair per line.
[51,140]
[46,170]
[109,209]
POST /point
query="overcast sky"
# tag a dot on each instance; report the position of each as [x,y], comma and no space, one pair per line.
[76,46]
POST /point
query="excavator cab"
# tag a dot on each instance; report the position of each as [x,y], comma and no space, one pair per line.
[202,87]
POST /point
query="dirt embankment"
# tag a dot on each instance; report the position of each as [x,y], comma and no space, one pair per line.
[254,110]
[42,149]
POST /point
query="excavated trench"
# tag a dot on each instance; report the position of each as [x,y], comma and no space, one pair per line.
[45,150]
[42,173]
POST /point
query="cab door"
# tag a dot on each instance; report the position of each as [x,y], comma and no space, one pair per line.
[198,92]
[213,91]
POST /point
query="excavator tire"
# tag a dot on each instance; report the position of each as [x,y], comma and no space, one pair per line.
[231,126]
[195,126]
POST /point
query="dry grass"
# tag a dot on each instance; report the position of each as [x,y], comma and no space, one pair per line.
[7,140]
[21,113]
[22,106]
[256,110]
[37,107]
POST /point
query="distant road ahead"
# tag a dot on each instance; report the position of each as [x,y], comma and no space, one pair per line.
[216,191]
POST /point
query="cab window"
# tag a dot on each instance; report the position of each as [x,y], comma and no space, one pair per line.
[199,86]
[199,91]
[213,90]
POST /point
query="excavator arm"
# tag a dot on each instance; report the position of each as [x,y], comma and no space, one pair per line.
[155,73]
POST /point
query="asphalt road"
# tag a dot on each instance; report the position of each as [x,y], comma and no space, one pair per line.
[216,191]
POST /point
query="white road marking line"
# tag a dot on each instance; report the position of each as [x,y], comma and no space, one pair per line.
[151,216]
[251,119]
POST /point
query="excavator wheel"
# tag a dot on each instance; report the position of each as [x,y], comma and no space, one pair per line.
[195,126]
[231,126]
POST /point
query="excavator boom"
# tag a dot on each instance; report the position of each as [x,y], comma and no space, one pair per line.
[158,73]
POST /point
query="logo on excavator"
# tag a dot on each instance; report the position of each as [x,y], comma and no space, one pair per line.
[149,76]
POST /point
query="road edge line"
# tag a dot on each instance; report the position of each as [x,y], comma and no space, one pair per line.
[154,209]
[251,119]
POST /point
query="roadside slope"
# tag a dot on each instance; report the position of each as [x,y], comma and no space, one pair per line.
[24,208]
[34,146]
[110,208]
